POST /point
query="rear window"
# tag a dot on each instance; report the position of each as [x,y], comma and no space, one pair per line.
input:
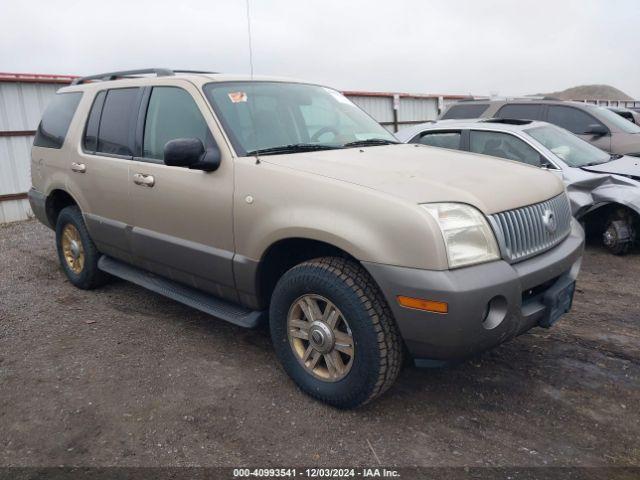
[56,120]
[441,139]
[461,111]
[90,140]
[117,122]
[520,112]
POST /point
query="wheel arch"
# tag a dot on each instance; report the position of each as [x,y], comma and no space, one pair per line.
[284,254]
[56,200]
[595,219]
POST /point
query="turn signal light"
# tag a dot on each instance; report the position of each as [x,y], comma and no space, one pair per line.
[421,304]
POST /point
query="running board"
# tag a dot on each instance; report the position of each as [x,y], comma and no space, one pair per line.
[181,293]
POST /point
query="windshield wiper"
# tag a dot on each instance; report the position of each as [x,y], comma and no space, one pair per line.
[615,156]
[293,148]
[370,142]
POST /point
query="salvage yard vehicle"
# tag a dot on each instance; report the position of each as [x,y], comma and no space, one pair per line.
[597,125]
[255,199]
[627,114]
[603,188]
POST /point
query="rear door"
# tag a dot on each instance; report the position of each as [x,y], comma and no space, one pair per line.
[182,218]
[101,169]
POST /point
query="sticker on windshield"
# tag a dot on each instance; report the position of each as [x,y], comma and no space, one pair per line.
[238,97]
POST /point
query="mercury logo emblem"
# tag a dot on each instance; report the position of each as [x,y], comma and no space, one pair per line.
[549,221]
[317,337]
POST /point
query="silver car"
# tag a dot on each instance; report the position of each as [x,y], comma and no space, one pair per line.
[604,188]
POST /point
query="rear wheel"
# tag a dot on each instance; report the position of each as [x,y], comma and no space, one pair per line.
[334,333]
[77,253]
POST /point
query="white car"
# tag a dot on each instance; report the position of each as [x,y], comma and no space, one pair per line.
[604,188]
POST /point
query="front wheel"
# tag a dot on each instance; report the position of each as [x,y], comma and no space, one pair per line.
[619,233]
[334,333]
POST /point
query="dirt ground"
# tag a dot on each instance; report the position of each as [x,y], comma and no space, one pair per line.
[122,376]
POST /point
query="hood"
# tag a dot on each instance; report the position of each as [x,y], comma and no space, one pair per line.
[422,174]
[629,166]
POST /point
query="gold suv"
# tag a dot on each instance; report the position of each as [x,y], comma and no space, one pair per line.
[269,199]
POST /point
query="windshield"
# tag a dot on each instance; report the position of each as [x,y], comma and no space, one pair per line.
[574,151]
[268,115]
[615,119]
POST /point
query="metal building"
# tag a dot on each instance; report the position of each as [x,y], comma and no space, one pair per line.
[23,98]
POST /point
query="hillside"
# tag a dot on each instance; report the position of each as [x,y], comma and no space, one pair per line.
[590,92]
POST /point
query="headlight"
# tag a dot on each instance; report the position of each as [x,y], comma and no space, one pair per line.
[467,235]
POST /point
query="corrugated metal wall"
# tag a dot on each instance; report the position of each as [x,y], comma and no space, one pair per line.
[398,111]
[21,106]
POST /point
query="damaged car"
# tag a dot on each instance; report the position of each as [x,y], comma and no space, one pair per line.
[603,188]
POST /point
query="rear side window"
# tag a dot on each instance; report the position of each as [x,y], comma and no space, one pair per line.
[172,113]
[520,112]
[504,145]
[461,111]
[574,120]
[440,139]
[118,122]
[90,139]
[56,120]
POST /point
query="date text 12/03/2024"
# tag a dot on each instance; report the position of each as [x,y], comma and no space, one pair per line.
[315,473]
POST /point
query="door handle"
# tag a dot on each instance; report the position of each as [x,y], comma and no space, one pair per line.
[78,167]
[144,180]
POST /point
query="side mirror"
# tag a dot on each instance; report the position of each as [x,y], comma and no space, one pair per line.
[597,130]
[190,153]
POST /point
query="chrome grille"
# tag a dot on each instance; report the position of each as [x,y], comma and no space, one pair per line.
[525,232]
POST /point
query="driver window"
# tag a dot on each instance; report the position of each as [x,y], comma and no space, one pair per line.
[504,145]
[172,114]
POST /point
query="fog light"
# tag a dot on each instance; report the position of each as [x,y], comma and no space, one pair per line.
[495,312]
[422,304]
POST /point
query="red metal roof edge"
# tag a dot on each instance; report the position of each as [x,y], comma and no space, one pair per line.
[36,78]
[403,95]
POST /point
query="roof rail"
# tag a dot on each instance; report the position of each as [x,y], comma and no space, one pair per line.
[159,72]
[507,121]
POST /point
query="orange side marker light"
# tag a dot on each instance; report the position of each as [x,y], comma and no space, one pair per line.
[422,304]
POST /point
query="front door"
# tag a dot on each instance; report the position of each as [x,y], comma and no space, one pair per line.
[182,218]
[579,123]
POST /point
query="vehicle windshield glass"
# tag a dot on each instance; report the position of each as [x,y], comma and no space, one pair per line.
[574,151]
[267,115]
[615,119]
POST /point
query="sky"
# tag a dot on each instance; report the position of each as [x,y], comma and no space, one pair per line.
[480,47]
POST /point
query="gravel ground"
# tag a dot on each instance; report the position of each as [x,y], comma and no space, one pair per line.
[121,376]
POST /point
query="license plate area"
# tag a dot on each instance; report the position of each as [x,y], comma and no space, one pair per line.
[558,300]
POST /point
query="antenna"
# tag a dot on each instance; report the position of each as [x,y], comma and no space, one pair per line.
[249,33]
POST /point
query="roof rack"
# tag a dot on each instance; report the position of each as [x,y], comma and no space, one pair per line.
[158,72]
[507,121]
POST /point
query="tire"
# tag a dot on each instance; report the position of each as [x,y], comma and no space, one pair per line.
[377,353]
[84,274]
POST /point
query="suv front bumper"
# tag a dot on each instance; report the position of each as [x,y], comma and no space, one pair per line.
[487,304]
